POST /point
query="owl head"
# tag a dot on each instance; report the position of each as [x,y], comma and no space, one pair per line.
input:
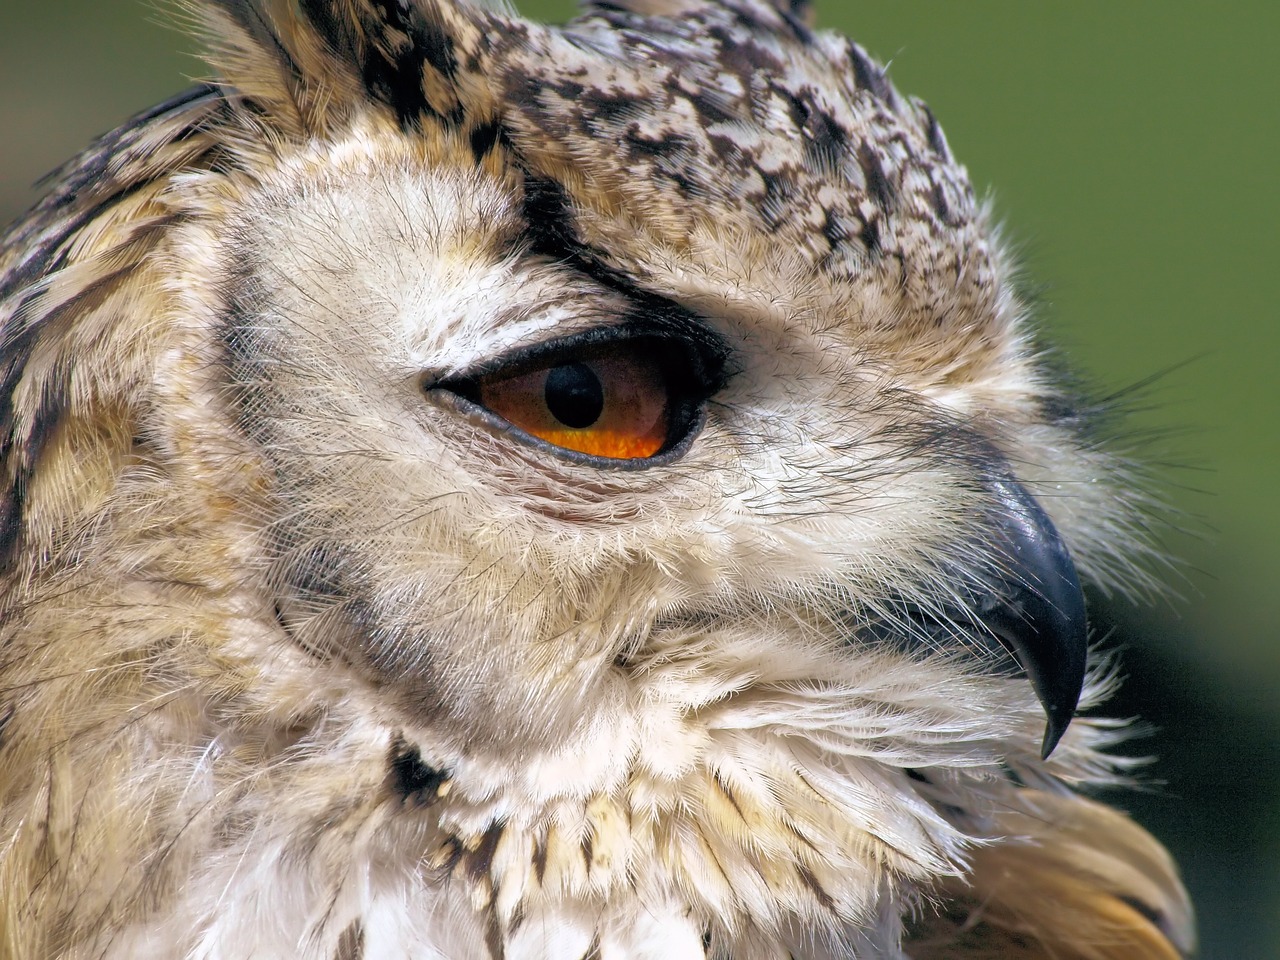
[465,477]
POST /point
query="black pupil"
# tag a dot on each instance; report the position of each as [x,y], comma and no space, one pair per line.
[574,395]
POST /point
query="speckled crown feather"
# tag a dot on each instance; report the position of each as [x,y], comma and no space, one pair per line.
[675,120]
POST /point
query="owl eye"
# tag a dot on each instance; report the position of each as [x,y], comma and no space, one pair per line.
[626,399]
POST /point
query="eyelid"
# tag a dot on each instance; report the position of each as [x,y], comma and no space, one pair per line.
[708,347]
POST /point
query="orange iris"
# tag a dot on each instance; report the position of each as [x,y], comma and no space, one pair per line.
[608,402]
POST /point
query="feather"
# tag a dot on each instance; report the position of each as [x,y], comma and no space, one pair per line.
[472,489]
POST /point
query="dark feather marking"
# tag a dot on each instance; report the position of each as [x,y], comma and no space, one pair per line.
[454,855]
[351,943]
[437,46]
[792,18]
[391,47]
[518,917]
[937,141]
[746,58]
[832,229]
[778,193]
[642,146]
[484,137]
[938,197]
[540,858]
[710,108]
[868,76]
[245,351]
[870,236]
[480,860]
[48,417]
[825,140]
[387,73]
[493,938]
[882,191]
[593,951]
[546,211]
[812,883]
[411,779]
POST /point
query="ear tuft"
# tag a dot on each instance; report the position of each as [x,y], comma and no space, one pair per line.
[307,64]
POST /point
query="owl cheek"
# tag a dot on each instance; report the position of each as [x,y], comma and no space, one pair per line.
[438,652]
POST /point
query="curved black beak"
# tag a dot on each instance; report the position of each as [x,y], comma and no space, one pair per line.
[1032,603]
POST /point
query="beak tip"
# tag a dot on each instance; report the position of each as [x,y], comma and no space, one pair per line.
[1053,731]
[1039,613]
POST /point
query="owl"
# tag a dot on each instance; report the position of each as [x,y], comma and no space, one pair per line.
[476,490]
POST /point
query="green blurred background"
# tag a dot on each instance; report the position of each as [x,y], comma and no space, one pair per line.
[1132,150]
